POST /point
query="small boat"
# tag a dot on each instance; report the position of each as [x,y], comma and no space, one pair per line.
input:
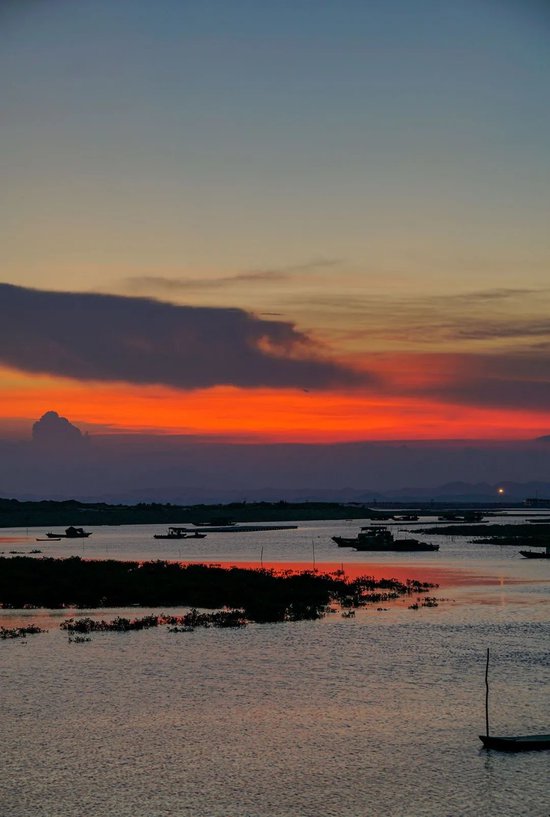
[179,533]
[509,743]
[464,516]
[536,554]
[379,538]
[521,743]
[70,533]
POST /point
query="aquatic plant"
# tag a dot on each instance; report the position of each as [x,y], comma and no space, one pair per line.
[20,632]
[257,595]
[184,623]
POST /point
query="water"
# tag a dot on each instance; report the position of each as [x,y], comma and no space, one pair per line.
[377,715]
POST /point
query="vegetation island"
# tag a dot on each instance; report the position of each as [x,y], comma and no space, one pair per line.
[259,595]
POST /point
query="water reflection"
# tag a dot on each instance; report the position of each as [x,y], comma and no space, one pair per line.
[375,715]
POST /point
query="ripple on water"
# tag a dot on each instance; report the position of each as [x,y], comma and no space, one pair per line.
[369,717]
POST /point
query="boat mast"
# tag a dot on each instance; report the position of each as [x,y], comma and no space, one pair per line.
[487,695]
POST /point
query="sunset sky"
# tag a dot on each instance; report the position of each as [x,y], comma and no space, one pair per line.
[304,221]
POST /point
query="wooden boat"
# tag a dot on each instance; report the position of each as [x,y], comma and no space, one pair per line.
[70,533]
[509,743]
[379,538]
[179,533]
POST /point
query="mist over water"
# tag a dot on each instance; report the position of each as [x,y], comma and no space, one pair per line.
[376,715]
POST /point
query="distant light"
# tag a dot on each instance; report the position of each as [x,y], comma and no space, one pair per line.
[500,490]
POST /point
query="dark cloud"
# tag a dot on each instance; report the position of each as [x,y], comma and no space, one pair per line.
[137,340]
[56,432]
[51,425]
[499,380]
[499,393]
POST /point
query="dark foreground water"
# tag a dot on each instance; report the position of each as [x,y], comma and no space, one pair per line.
[376,715]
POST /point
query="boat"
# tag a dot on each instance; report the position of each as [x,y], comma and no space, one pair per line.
[509,743]
[379,538]
[465,516]
[519,743]
[70,533]
[179,533]
[536,554]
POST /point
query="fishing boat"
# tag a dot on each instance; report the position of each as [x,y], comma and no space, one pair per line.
[70,533]
[509,743]
[536,554]
[379,538]
[180,533]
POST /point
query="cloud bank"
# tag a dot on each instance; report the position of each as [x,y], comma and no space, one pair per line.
[58,434]
[142,341]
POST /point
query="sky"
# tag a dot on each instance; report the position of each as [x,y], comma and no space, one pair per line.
[280,221]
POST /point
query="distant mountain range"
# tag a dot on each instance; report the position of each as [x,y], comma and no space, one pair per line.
[60,462]
[451,492]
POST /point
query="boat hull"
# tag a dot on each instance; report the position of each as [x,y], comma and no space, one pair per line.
[521,743]
[397,546]
[534,554]
[342,542]
[66,536]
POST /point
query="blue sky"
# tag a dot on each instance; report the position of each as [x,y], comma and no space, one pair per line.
[230,135]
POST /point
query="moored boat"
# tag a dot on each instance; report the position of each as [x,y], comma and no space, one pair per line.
[379,538]
[179,533]
[536,554]
[70,533]
[509,743]
[519,743]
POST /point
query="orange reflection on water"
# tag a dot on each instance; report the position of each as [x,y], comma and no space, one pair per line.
[443,577]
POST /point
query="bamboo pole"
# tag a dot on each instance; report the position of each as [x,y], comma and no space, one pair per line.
[487,695]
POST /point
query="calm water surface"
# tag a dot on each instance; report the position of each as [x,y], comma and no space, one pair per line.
[377,715]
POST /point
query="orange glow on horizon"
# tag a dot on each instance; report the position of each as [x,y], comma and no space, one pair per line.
[266,415]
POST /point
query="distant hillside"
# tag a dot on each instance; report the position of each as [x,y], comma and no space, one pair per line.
[51,514]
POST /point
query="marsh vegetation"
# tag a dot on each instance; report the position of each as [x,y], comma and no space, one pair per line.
[260,595]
